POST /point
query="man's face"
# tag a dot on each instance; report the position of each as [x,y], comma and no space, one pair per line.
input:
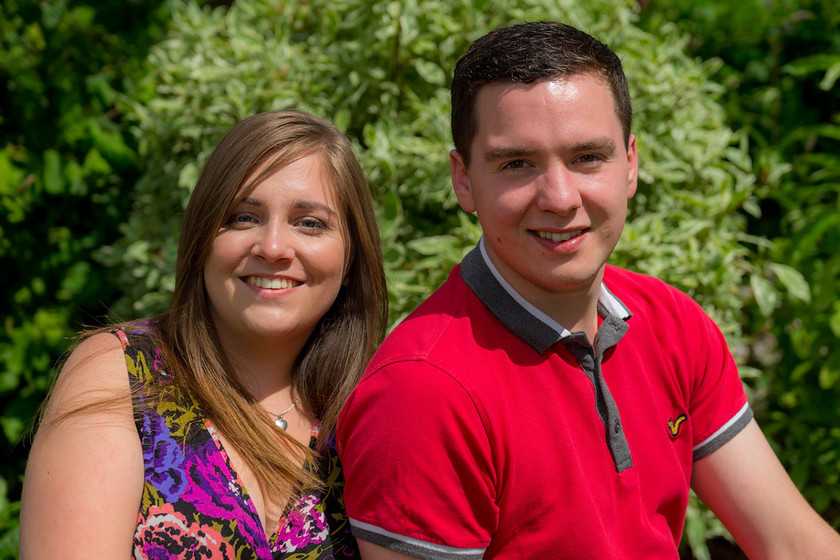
[549,179]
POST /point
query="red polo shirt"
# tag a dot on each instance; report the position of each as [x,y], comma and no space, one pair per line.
[482,428]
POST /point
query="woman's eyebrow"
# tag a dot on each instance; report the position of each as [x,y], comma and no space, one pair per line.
[312,204]
[301,204]
[251,201]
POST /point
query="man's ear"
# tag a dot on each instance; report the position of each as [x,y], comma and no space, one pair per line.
[461,181]
[632,167]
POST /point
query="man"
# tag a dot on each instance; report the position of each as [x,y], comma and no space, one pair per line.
[542,404]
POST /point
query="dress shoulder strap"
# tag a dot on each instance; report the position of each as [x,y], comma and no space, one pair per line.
[143,356]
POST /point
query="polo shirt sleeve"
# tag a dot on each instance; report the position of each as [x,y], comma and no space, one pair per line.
[417,464]
[719,407]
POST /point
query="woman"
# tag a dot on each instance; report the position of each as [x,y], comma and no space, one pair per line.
[205,432]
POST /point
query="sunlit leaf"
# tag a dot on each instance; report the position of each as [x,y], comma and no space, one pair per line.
[764,293]
[792,280]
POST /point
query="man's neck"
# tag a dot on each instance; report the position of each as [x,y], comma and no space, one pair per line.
[575,309]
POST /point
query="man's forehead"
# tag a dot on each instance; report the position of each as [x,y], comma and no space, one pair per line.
[502,107]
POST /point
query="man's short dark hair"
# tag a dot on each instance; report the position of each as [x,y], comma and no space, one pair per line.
[526,53]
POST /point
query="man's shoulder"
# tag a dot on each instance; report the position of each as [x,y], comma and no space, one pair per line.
[437,327]
[629,279]
[654,302]
[636,288]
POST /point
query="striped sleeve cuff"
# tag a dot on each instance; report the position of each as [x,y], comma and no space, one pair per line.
[724,434]
[410,546]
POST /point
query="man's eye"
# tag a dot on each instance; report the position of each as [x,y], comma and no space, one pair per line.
[516,164]
[589,158]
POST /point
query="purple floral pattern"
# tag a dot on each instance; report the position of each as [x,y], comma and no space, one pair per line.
[162,456]
[194,505]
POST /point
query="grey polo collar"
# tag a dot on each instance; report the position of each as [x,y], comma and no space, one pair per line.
[528,323]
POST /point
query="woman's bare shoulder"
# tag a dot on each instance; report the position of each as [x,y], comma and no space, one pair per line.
[86,459]
[95,370]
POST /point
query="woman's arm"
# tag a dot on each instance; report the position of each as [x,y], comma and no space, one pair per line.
[84,478]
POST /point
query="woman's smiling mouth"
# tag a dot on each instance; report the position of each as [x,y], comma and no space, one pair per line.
[272,283]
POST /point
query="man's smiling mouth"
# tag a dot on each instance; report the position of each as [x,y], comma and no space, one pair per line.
[559,236]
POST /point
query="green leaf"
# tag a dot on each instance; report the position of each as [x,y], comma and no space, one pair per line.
[433,246]
[810,64]
[793,281]
[829,376]
[695,534]
[764,293]
[831,76]
[834,320]
[10,175]
[13,427]
[430,72]
[94,162]
[53,180]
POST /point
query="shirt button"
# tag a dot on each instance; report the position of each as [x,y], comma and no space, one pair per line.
[617,427]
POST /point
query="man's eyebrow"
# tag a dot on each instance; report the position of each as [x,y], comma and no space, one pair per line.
[605,144]
[598,144]
[496,154]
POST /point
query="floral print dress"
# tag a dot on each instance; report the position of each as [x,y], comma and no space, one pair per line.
[194,505]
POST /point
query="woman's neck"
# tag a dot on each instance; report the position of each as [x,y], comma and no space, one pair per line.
[264,368]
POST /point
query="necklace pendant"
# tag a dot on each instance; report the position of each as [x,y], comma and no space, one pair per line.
[279,422]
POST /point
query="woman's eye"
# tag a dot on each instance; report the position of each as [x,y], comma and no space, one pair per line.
[312,224]
[240,220]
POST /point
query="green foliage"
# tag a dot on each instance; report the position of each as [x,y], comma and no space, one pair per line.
[64,166]
[102,142]
[781,61]
[387,88]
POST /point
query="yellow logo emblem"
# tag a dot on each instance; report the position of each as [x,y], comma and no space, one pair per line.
[674,425]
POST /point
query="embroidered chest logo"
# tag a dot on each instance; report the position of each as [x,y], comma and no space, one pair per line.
[674,425]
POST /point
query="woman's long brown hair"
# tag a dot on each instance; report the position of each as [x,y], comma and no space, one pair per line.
[334,357]
[330,364]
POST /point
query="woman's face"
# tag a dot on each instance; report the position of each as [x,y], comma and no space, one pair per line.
[278,262]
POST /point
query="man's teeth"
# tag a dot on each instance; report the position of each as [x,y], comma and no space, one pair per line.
[559,236]
[271,283]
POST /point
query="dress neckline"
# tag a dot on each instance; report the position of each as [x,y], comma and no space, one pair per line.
[240,488]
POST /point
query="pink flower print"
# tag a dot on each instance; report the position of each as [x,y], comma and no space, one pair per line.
[164,534]
[305,525]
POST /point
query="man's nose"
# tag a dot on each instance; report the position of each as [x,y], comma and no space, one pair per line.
[558,191]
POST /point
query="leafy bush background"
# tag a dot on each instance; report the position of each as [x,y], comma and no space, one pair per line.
[112,107]
[780,62]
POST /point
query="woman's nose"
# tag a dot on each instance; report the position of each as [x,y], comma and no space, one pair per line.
[273,243]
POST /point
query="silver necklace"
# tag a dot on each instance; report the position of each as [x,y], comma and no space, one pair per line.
[280,422]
